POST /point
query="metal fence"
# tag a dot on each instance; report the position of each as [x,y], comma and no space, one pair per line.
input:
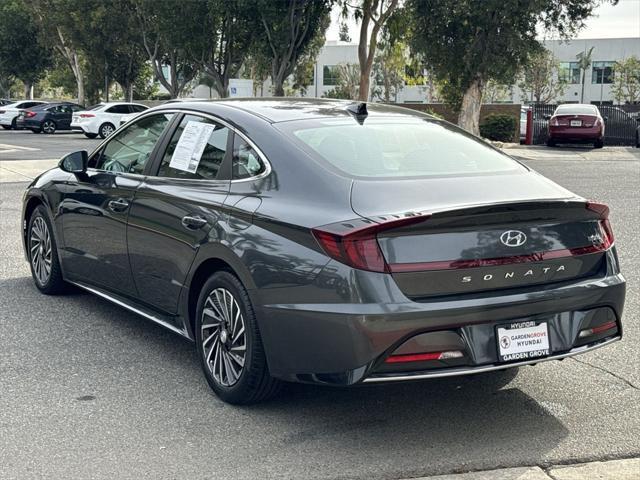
[620,126]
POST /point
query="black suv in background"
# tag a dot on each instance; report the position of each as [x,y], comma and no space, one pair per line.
[48,117]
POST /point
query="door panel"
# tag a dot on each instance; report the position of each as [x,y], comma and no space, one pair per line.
[176,212]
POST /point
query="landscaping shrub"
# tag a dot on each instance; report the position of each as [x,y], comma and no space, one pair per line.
[501,128]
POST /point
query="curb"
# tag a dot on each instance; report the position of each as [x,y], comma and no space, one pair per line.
[627,469]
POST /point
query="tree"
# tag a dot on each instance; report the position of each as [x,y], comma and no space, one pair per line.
[222,36]
[495,92]
[290,28]
[343,33]
[369,12]
[584,62]
[465,43]
[541,78]
[167,39]
[23,55]
[626,80]
[389,70]
[59,27]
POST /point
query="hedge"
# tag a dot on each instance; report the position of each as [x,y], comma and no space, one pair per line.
[501,128]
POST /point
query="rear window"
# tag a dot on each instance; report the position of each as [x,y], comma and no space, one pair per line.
[576,110]
[397,148]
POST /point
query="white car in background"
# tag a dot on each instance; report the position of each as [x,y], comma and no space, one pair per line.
[9,113]
[103,119]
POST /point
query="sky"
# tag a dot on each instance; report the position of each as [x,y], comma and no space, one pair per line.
[622,20]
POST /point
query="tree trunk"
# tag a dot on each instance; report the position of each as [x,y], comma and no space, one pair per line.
[469,117]
[278,88]
[28,90]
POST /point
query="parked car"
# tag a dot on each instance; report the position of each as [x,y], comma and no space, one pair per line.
[326,241]
[103,119]
[48,117]
[576,123]
[5,101]
[9,113]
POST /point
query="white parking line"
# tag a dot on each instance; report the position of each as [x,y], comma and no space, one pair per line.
[7,148]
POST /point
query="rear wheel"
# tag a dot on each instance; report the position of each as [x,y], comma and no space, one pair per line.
[598,144]
[14,124]
[6,127]
[43,255]
[91,135]
[229,343]
[106,129]
[49,127]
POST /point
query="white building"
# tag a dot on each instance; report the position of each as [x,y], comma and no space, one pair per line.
[598,79]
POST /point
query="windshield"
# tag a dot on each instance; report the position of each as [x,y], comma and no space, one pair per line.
[576,110]
[384,147]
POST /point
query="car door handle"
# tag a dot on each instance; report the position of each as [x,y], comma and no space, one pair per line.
[193,222]
[118,205]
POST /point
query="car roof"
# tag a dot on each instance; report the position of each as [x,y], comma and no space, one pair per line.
[283,109]
[17,102]
[53,104]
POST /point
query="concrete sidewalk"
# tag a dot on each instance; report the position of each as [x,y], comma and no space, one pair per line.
[628,469]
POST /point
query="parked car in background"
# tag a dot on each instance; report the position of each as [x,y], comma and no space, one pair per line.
[576,123]
[327,241]
[5,101]
[9,113]
[48,118]
[103,119]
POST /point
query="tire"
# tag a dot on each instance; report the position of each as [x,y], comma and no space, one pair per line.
[45,268]
[235,382]
[598,144]
[91,135]
[49,127]
[551,143]
[106,129]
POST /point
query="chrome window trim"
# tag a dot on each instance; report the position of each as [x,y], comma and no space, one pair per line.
[151,111]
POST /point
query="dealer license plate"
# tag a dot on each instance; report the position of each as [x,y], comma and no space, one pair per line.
[522,341]
[576,123]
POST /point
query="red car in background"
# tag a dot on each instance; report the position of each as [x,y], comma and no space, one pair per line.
[576,123]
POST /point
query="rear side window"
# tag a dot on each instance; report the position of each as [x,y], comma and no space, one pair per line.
[196,151]
[246,162]
[123,109]
[386,147]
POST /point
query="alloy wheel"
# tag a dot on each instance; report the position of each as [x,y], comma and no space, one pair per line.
[48,127]
[224,340]
[107,130]
[40,248]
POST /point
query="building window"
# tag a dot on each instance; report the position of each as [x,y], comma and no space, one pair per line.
[569,72]
[602,72]
[330,75]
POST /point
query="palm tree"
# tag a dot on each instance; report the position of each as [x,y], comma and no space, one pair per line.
[584,62]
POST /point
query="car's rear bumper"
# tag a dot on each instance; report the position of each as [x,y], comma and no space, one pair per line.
[575,134]
[347,343]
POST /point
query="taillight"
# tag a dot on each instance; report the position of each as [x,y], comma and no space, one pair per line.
[554,122]
[423,357]
[357,245]
[29,114]
[87,115]
[603,212]
[597,123]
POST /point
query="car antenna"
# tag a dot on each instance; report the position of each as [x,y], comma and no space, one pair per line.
[359,111]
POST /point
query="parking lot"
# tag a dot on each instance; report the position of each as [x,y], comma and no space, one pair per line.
[89,390]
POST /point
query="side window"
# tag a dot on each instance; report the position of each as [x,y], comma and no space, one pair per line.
[138,108]
[196,150]
[121,109]
[246,162]
[129,150]
[76,108]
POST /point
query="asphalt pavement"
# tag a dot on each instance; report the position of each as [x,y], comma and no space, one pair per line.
[89,390]
[26,145]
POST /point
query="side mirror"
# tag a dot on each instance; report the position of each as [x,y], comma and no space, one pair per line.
[75,162]
[547,117]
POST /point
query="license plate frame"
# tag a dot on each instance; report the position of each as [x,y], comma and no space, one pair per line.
[575,123]
[525,340]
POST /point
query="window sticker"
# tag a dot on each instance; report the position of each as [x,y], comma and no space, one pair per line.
[194,139]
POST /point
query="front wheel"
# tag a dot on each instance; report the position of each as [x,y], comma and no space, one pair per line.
[106,129]
[229,343]
[43,255]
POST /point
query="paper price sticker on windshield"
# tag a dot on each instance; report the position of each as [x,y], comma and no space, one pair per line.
[194,138]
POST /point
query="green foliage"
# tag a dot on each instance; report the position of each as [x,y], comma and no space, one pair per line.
[289,28]
[541,79]
[626,80]
[467,41]
[343,34]
[23,54]
[501,128]
[388,70]
[144,88]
